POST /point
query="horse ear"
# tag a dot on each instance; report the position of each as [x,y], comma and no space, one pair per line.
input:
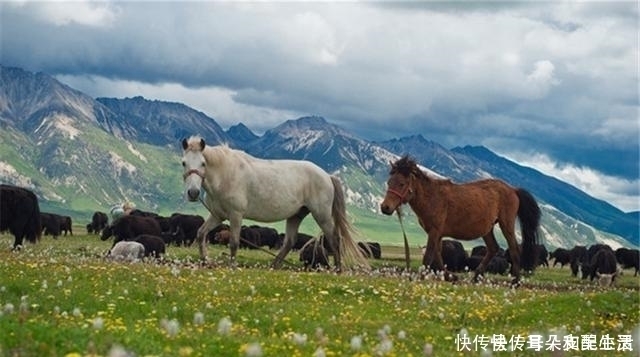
[185,144]
[392,164]
[202,144]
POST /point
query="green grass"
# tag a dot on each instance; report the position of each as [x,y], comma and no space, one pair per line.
[68,300]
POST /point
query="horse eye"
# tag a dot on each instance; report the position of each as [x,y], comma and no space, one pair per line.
[184,164]
[202,165]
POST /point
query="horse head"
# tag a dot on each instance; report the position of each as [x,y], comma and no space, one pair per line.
[194,165]
[399,185]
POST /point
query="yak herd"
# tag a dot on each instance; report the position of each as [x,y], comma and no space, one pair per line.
[181,229]
[141,234]
[595,261]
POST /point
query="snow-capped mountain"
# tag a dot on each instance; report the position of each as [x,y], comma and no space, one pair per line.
[80,155]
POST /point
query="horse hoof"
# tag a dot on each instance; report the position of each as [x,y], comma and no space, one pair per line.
[515,283]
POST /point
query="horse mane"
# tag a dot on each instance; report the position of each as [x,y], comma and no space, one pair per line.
[407,166]
[216,155]
[193,143]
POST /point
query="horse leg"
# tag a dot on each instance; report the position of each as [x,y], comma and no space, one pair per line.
[433,257]
[290,236]
[492,248]
[201,236]
[329,231]
[235,225]
[508,230]
[427,257]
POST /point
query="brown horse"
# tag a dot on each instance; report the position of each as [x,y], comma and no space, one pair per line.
[465,212]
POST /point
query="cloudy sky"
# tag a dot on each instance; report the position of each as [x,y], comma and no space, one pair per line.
[552,85]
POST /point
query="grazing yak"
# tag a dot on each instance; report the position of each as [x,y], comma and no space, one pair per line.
[454,256]
[128,227]
[498,265]
[370,249]
[587,264]
[51,224]
[314,255]
[577,256]
[300,240]
[153,245]
[628,258]
[20,214]
[479,250]
[249,237]
[541,255]
[126,251]
[183,228]
[99,221]
[604,266]
[268,236]
[66,225]
[561,256]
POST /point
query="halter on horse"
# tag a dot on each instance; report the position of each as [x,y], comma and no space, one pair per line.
[465,212]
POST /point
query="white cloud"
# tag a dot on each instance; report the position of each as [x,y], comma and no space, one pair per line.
[215,102]
[541,79]
[62,13]
[623,194]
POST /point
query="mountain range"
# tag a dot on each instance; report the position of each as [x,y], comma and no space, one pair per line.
[81,154]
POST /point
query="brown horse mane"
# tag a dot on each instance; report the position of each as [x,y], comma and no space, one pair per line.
[407,166]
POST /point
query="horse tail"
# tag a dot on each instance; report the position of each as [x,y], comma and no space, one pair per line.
[349,251]
[529,215]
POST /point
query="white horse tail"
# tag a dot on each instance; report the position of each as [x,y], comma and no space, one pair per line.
[350,253]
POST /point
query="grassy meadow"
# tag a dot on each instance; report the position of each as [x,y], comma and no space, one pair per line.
[62,298]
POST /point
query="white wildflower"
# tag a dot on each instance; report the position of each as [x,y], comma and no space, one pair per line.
[172,327]
[385,346]
[8,308]
[428,349]
[253,350]
[119,351]
[98,323]
[198,318]
[224,326]
[319,352]
[299,339]
[356,343]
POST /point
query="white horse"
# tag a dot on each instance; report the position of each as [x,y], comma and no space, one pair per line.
[240,186]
